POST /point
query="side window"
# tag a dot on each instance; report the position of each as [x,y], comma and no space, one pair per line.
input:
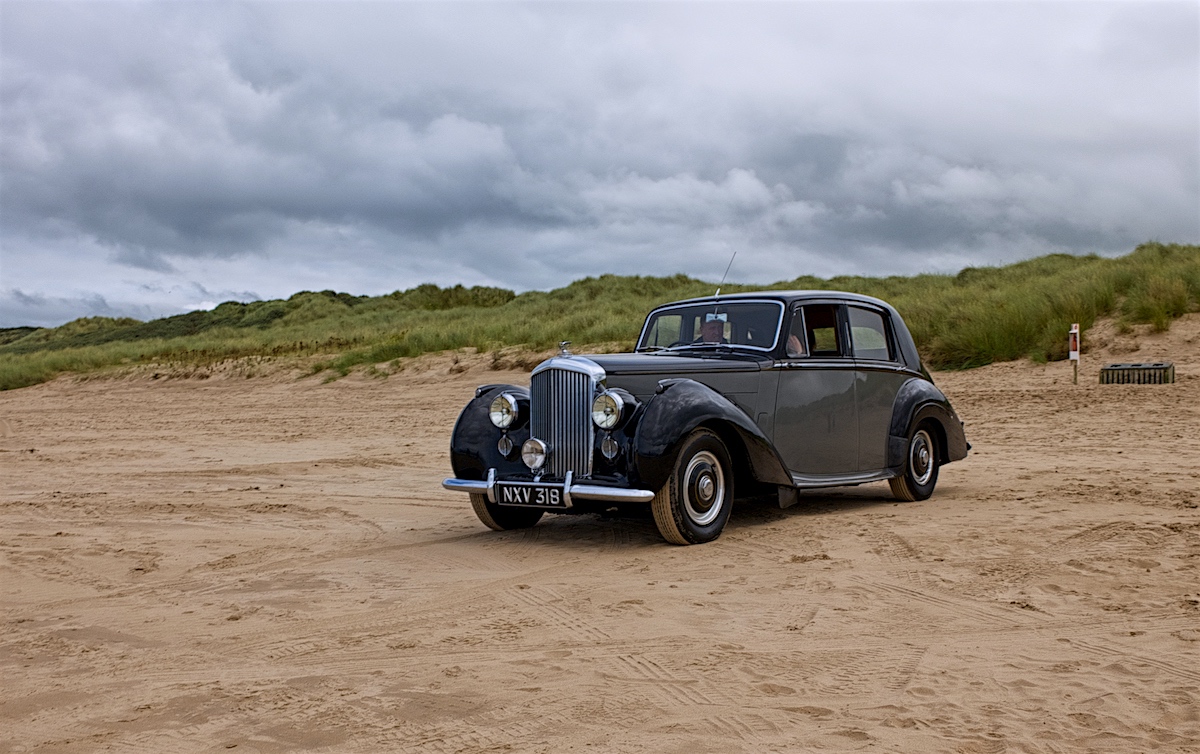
[665,331]
[821,330]
[869,335]
[797,341]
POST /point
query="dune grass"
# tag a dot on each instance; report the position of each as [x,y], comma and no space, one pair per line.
[976,317]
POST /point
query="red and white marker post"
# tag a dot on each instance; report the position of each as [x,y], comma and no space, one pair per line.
[1073,351]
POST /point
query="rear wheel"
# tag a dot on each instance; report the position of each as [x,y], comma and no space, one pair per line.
[694,504]
[499,518]
[920,467]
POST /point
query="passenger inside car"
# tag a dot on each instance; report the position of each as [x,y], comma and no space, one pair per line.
[795,340]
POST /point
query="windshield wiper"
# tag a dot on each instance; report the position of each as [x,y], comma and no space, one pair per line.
[649,349]
[698,346]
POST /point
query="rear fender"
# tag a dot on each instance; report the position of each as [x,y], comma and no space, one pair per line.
[917,401]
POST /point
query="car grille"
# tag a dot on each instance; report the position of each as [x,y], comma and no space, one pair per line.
[561,415]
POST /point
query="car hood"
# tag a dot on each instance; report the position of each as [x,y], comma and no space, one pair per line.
[617,364]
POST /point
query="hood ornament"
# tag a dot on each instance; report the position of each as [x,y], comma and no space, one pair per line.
[563,348]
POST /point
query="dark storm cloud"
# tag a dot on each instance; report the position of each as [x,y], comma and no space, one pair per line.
[373,146]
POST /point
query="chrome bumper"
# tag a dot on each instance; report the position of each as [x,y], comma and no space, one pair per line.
[571,491]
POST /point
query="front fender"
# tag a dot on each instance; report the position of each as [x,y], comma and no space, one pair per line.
[473,443]
[682,405]
[916,401]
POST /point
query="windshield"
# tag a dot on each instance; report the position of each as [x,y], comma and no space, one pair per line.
[751,324]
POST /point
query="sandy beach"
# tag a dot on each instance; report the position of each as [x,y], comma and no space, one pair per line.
[269,564]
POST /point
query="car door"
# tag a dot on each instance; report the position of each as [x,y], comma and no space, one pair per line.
[816,421]
[878,377]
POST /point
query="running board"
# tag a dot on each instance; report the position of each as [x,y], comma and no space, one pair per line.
[789,496]
[801,482]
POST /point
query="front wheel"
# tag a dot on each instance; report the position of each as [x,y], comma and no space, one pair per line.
[694,504]
[920,467]
[499,518]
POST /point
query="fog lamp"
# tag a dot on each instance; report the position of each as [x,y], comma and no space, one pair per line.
[609,447]
[533,453]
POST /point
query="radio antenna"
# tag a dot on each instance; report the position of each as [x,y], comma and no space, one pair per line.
[718,293]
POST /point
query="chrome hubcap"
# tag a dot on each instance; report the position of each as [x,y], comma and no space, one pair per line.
[703,488]
[920,458]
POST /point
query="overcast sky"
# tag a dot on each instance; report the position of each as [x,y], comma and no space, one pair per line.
[161,157]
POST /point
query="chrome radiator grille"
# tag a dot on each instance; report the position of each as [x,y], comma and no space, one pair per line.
[560,413]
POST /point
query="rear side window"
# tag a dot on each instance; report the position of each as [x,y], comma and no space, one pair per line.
[821,330]
[868,333]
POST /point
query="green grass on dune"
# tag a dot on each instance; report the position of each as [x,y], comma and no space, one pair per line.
[976,317]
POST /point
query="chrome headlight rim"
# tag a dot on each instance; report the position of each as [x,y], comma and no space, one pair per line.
[504,411]
[609,415]
[534,453]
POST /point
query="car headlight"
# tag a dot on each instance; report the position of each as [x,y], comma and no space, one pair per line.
[533,453]
[503,411]
[607,410]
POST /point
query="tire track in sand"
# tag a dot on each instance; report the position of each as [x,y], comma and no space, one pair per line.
[549,605]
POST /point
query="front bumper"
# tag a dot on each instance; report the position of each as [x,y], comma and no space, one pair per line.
[571,491]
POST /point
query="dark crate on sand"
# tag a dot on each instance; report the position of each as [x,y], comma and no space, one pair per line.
[1152,373]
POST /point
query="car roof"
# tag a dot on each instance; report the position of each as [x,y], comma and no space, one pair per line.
[908,348]
[786,297]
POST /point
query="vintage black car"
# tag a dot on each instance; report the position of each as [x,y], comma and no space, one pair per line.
[772,391]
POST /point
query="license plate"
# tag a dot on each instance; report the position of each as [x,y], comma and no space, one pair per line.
[530,494]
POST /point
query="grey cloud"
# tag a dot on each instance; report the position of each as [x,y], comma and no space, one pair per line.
[523,145]
[17,306]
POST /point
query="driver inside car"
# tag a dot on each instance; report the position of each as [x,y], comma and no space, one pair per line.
[712,332]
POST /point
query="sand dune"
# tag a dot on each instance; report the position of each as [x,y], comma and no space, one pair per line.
[270,565]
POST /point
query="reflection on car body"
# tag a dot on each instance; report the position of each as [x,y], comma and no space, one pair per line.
[748,392]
